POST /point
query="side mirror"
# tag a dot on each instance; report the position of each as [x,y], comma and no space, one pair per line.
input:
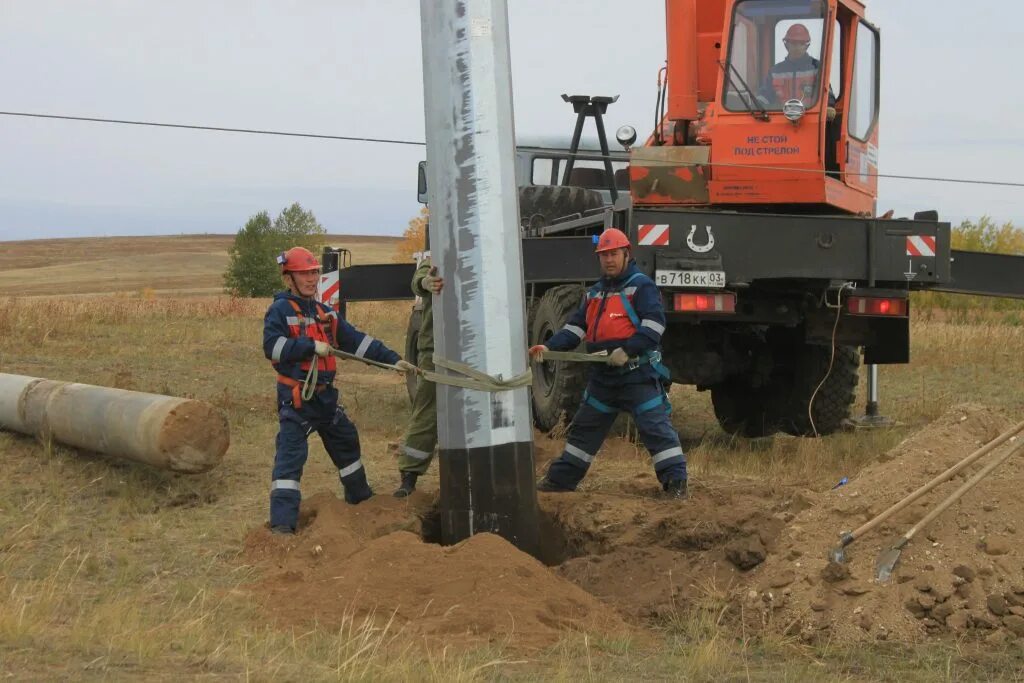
[421,183]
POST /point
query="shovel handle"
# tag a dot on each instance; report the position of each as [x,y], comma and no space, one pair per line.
[964,488]
[948,474]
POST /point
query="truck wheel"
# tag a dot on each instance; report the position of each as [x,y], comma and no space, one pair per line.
[744,410]
[832,402]
[541,205]
[557,387]
[412,337]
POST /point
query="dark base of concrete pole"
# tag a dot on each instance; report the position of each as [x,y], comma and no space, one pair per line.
[490,489]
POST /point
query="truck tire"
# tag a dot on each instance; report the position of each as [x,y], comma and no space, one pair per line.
[744,410]
[541,205]
[834,398]
[557,387]
[412,337]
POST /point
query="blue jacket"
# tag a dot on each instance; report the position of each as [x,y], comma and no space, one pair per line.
[647,304]
[282,346]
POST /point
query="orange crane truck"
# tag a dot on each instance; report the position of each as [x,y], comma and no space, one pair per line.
[752,204]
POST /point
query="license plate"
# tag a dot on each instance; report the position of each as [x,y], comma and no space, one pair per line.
[712,279]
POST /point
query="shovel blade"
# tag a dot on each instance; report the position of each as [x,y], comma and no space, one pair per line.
[837,555]
[886,564]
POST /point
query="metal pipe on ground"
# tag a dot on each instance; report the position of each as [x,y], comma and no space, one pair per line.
[169,433]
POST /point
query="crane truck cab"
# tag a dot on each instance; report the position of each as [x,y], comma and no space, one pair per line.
[771,106]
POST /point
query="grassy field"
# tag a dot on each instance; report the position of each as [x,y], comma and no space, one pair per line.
[176,264]
[110,570]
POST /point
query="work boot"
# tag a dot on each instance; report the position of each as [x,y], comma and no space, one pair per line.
[282,530]
[548,486]
[676,488]
[356,497]
[408,485]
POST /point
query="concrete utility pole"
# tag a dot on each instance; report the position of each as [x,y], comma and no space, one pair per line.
[176,434]
[486,439]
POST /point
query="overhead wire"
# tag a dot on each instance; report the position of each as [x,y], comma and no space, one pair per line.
[588,155]
[221,129]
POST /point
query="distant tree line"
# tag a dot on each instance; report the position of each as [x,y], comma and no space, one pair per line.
[253,269]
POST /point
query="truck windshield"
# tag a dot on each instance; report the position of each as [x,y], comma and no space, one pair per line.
[775,47]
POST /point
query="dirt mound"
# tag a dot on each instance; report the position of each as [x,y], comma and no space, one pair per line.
[963,573]
[369,561]
[650,557]
[753,554]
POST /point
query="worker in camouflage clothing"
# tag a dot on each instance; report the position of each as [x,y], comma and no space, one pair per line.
[421,435]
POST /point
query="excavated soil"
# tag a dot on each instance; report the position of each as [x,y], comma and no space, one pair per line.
[370,562]
[960,575]
[622,558]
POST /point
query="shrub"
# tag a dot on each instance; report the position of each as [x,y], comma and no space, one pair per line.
[253,269]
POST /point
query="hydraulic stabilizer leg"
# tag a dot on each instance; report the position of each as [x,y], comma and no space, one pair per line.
[871,417]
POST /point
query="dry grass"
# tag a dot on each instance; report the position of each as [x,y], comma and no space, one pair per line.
[112,570]
[140,266]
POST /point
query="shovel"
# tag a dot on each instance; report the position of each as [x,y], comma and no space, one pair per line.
[886,563]
[838,554]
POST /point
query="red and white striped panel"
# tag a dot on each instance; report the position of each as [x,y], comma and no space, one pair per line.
[920,245]
[329,288]
[652,235]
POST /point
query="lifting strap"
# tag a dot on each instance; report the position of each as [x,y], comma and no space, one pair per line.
[471,378]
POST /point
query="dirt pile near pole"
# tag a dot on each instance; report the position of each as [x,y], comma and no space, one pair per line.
[652,557]
[963,574]
[351,563]
[744,551]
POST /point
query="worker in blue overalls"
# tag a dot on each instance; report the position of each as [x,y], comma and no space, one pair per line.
[623,316]
[298,332]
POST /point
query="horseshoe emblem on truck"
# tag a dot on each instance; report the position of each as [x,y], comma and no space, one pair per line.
[700,248]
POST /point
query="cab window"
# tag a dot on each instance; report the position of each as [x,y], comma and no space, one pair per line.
[774,54]
[864,93]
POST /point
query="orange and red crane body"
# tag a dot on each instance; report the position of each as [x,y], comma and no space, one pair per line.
[726,137]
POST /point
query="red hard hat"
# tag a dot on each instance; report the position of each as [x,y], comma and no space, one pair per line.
[297,260]
[611,239]
[798,32]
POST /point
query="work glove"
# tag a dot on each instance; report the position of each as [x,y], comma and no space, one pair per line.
[830,113]
[406,367]
[431,282]
[537,353]
[618,357]
[323,349]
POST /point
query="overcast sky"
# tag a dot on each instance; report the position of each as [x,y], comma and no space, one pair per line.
[951,105]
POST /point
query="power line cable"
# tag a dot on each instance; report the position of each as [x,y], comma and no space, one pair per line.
[583,154]
[220,129]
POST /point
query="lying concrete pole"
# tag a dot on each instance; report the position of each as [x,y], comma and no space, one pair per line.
[486,439]
[177,434]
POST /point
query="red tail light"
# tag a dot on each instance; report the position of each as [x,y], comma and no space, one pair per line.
[705,303]
[869,305]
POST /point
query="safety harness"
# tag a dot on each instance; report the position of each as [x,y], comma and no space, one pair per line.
[648,357]
[652,357]
[304,390]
